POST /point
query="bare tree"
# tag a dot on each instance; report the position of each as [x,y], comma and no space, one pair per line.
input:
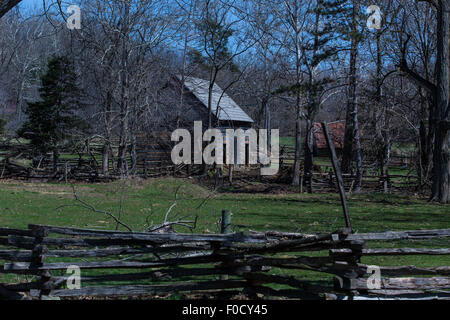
[6,5]
[441,113]
[352,135]
[217,24]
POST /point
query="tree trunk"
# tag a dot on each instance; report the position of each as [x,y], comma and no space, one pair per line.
[55,159]
[6,5]
[133,153]
[122,161]
[267,124]
[426,136]
[441,155]
[298,148]
[351,116]
[309,154]
[105,157]
[384,165]
[359,169]
[296,181]
[381,122]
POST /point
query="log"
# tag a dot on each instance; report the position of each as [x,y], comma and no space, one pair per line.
[5,293]
[338,173]
[401,235]
[23,287]
[23,267]
[291,281]
[406,292]
[320,264]
[17,232]
[393,252]
[412,270]
[15,255]
[139,290]
[402,297]
[156,237]
[291,245]
[27,242]
[285,293]
[157,275]
[361,269]
[401,284]
[125,251]
[278,235]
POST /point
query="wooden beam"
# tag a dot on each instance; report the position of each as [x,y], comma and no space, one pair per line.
[149,290]
[401,235]
[337,171]
[393,252]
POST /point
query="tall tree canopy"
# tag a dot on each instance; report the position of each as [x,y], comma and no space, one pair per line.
[53,121]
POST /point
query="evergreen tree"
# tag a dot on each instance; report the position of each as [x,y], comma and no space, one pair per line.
[323,46]
[214,52]
[215,44]
[320,45]
[53,121]
[2,126]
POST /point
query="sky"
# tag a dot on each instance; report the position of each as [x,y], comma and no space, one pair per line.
[31,3]
[36,6]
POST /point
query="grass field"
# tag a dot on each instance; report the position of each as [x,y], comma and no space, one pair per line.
[23,203]
[148,201]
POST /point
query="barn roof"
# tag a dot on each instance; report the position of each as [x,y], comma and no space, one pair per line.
[228,109]
[337,133]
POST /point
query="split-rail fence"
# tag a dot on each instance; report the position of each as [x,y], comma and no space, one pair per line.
[258,265]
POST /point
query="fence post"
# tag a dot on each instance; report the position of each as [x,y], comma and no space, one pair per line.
[338,173]
[348,266]
[230,174]
[66,170]
[44,281]
[145,167]
[301,183]
[225,226]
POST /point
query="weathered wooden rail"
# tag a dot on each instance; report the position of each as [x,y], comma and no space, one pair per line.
[213,265]
[153,159]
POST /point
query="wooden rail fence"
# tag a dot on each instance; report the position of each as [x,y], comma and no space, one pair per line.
[213,265]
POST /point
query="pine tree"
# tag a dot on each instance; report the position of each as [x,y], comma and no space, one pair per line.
[320,45]
[214,51]
[2,126]
[53,121]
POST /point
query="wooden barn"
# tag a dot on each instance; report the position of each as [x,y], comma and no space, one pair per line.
[337,134]
[226,114]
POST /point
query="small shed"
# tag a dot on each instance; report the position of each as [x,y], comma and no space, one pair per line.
[337,134]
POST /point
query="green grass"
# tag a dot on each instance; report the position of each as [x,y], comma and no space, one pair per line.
[287,141]
[399,148]
[22,203]
[40,203]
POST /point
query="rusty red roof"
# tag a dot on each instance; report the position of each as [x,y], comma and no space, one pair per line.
[337,133]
